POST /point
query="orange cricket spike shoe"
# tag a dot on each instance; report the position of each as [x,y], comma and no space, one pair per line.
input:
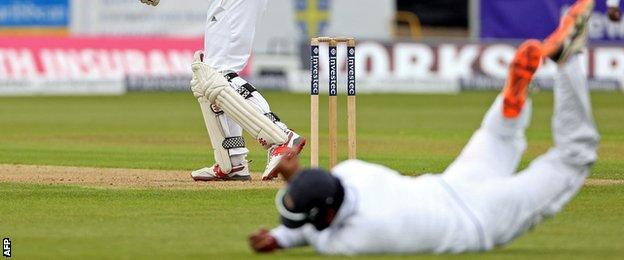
[571,35]
[527,60]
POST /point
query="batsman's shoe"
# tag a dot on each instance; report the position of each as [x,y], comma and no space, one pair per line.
[276,153]
[527,60]
[214,173]
[571,35]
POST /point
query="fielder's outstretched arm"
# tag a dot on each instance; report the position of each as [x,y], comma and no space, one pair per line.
[265,241]
[288,237]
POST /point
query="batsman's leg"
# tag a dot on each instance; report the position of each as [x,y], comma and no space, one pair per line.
[227,48]
[495,150]
[230,32]
[256,100]
[226,135]
[228,147]
[210,85]
[229,36]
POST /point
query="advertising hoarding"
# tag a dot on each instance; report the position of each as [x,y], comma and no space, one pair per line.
[509,19]
[41,17]
[91,65]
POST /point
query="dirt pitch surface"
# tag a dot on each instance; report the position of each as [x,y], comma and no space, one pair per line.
[120,178]
[135,178]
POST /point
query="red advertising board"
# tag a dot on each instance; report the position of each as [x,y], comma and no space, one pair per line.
[85,65]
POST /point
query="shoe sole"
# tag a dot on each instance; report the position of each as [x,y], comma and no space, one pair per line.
[233,178]
[523,67]
[581,16]
[215,179]
[273,174]
[574,22]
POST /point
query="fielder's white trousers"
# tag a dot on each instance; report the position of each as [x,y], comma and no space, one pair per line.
[508,204]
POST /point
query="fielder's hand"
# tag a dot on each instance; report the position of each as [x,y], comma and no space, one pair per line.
[150,2]
[262,242]
[614,14]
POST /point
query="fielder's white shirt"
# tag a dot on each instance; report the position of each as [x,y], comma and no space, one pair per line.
[384,212]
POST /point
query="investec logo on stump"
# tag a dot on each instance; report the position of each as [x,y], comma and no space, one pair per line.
[6,247]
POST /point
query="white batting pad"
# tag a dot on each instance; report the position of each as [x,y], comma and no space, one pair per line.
[249,118]
[217,136]
[210,85]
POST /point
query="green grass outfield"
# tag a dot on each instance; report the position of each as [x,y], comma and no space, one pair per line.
[412,133]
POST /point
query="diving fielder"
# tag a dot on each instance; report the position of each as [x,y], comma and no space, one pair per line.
[478,203]
[229,36]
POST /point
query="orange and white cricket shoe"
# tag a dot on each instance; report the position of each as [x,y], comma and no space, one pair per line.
[527,60]
[571,35]
[214,173]
[276,153]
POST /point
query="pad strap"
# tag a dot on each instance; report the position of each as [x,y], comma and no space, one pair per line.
[234,142]
[231,76]
[273,117]
[246,90]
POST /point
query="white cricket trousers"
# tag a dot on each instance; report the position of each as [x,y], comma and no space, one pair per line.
[228,41]
[508,204]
